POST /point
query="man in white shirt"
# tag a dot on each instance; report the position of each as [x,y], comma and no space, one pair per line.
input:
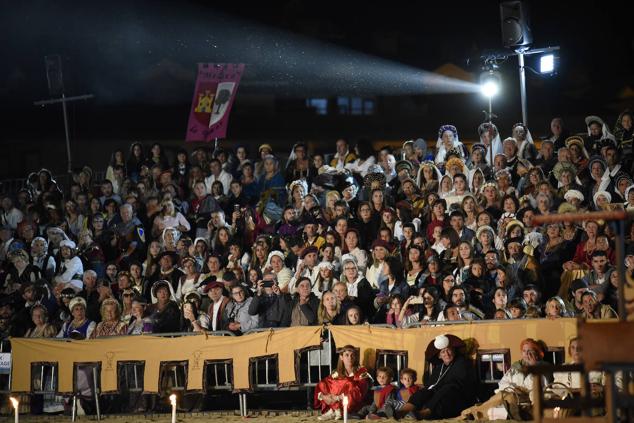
[10,215]
[217,174]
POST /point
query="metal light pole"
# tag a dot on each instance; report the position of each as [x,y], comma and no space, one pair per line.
[58,85]
[522,71]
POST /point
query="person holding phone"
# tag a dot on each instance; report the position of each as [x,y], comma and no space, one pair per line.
[271,305]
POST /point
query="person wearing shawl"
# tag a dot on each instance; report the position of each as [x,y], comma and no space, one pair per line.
[448,140]
[450,388]
[624,135]
[428,177]
[525,147]
[490,138]
[578,154]
[298,164]
[597,132]
[350,379]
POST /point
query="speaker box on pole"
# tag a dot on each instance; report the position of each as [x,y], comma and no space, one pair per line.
[54,75]
[516,31]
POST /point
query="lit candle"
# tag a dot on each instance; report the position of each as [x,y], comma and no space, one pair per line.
[15,404]
[344,402]
[173,402]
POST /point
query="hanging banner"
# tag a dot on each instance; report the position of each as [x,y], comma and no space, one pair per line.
[216,87]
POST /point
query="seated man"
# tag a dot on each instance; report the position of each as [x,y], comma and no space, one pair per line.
[515,386]
[451,385]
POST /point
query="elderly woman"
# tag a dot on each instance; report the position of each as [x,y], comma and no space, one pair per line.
[517,382]
[111,324]
[450,388]
[41,327]
[349,379]
[79,327]
[358,287]
[304,305]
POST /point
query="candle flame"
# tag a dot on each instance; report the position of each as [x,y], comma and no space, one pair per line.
[173,400]
[14,402]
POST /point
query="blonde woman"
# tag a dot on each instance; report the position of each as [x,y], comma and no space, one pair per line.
[169,218]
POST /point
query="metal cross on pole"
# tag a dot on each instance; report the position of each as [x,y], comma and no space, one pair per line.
[56,87]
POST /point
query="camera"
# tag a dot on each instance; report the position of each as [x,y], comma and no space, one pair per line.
[267,284]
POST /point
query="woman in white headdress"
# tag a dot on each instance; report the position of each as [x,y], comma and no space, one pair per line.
[448,140]
[490,137]
[525,147]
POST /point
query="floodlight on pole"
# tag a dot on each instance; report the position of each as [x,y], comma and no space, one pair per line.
[490,83]
[547,64]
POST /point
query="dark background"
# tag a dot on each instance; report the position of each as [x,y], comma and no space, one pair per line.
[139,59]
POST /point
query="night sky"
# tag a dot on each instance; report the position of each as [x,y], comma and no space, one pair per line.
[144,54]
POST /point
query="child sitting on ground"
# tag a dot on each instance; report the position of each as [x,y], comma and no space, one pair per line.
[399,398]
[380,393]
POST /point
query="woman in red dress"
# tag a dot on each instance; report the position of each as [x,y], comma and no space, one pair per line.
[350,380]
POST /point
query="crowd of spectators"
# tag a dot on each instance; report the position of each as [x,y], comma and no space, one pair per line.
[226,240]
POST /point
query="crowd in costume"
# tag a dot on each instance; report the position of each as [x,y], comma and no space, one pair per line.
[235,240]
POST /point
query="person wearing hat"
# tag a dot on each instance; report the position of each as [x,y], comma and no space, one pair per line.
[71,267]
[215,291]
[263,151]
[597,132]
[578,154]
[78,327]
[516,385]
[380,251]
[168,270]
[490,136]
[140,322]
[164,313]
[306,267]
[451,386]
[349,379]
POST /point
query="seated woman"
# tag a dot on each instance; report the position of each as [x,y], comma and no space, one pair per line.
[350,380]
[451,385]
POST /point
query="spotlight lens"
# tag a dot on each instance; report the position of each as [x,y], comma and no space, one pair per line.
[547,63]
[490,88]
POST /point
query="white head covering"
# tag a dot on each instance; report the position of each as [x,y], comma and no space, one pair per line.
[573,193]
[273,254]
[419,177]
[496,142]
[605,132]
[441,151]
[603,193]
[67,243]
[441,342]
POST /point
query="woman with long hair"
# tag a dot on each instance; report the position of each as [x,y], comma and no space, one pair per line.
[329,310]
[348,379]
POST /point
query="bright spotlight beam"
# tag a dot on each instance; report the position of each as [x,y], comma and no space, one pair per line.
[490,88]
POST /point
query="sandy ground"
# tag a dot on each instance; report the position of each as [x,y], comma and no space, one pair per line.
[255,417]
